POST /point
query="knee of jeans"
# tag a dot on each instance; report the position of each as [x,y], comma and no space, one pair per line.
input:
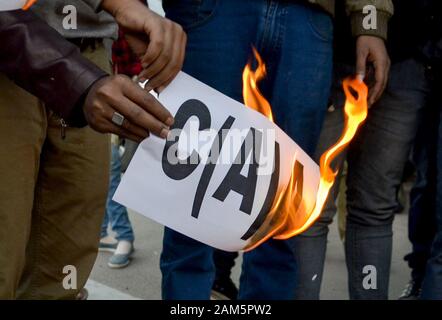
[319,227]
[370,215]
[367,216]
[370,206]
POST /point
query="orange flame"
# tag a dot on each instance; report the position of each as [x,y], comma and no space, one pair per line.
[288,216]
[253,98]
[29,4]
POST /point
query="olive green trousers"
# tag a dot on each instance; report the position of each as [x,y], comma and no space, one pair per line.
[52,196]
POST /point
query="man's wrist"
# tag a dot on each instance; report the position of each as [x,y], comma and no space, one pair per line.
[79,90]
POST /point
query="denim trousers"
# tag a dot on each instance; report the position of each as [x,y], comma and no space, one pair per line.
[376,160]
[224,262]
[116,214]
[432,285]
[422,214]
[295,41]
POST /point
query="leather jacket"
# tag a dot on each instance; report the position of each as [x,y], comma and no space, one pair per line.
[41,61]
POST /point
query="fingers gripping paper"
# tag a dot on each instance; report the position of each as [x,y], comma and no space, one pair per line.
[218,174]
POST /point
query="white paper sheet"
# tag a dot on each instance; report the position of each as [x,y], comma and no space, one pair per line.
[217,219]
[6,5]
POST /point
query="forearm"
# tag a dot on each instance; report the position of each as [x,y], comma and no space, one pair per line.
[42,62]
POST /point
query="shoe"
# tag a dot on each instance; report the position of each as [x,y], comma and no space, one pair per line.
[108,244]
[412,291]
[122,255]
[224,289]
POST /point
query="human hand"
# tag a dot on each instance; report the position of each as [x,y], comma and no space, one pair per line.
[159,42]
[371,49]
[141,111]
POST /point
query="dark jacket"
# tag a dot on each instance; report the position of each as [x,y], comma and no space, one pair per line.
[416,30]
[354,10]
[41,61]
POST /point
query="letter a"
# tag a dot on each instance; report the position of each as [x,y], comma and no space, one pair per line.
[371,279]
[370,20]
[70,280]
[70,20]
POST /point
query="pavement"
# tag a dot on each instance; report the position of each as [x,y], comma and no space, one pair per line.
[142,279]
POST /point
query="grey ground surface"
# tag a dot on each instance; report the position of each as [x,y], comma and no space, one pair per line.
[142,278]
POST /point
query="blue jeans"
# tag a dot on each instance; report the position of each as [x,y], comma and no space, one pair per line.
[116,214]
[376,160]
[295,41]
[432,285]
[422,215]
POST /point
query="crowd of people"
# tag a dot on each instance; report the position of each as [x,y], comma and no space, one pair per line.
[60,168]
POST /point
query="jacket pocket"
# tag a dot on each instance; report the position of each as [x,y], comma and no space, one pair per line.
[190,14]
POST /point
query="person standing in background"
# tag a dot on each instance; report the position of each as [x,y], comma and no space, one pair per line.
[422,212]
[55,171]
[432,283]
[376,159]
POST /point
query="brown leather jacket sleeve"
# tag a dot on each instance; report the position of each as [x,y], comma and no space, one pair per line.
[42,62]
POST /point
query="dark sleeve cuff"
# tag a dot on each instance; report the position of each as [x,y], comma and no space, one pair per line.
[73,113]
[42,62]
[358,29]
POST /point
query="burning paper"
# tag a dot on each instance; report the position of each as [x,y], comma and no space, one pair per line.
[285,220]
[216,177]
[227,175]
[7,5]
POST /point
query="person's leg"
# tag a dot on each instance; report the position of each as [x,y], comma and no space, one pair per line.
[68,208]
[187,268]
[432,285]
[422,220]
[299,60]
[310,246]
[296,45]
[224,262]
[220,34]
[104,226]
[116,213]
[118,218]
[223,286]
[23,129]
[376,161]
